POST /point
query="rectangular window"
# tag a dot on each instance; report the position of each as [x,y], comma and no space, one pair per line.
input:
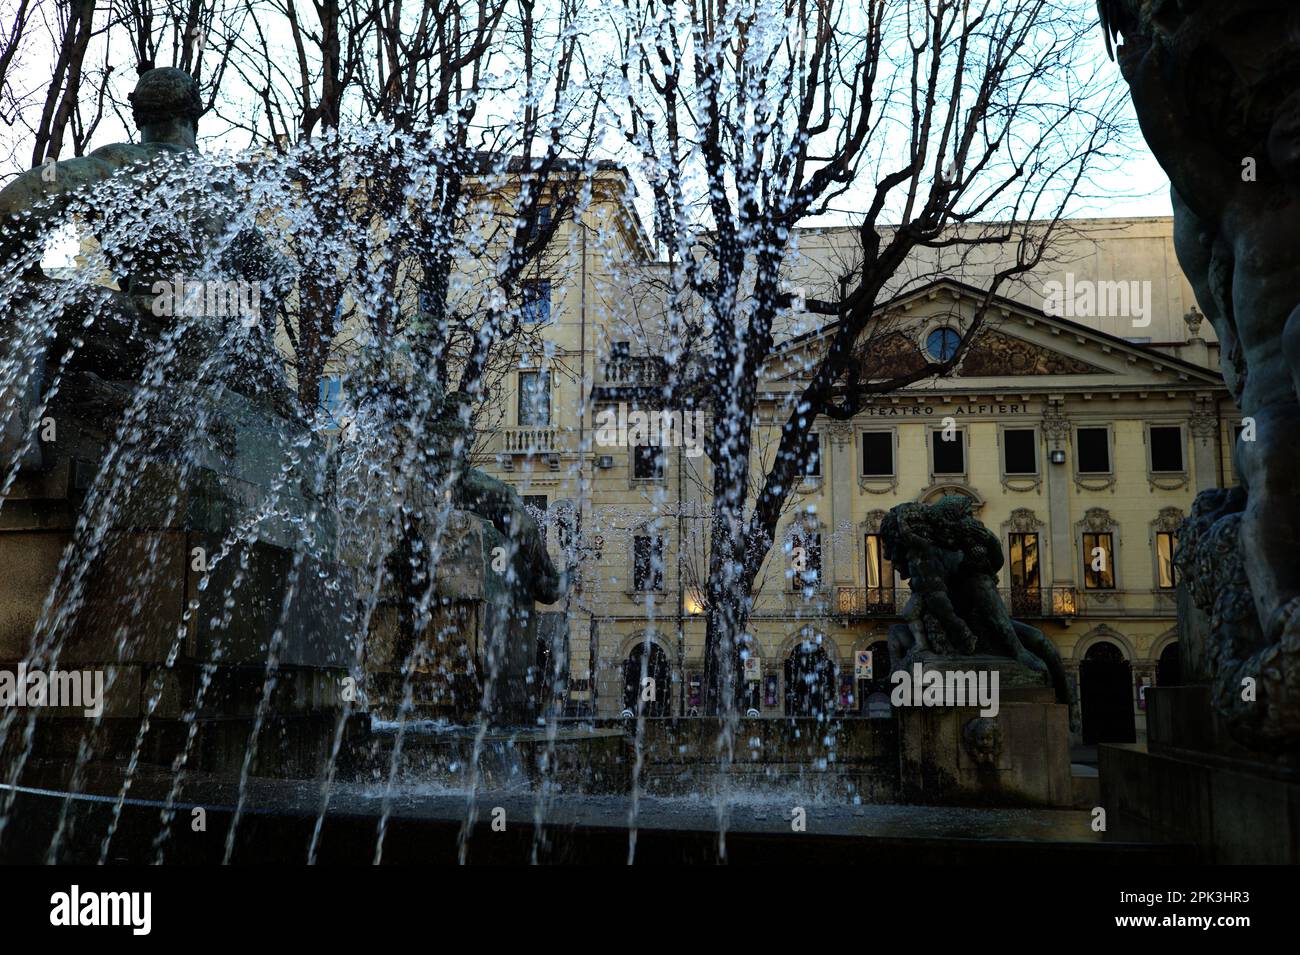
[878,454]
[1167,576]
[1020,451]
[949,454]
[806,559]
[542,221]
[648,462]
[813,452]
[534,398]
[1094,450]
[1022,563]
[880,575]
[1166,448]
[647,563]
[330,393]
[535,504]
[535,301]
[1098,562]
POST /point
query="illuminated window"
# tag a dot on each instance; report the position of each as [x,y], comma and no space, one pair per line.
[1098,562]
[1167,575]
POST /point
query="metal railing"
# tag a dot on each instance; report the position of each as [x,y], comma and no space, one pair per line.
[867,601]
[1024,603]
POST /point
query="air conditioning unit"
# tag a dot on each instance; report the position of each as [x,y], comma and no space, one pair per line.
[605,462]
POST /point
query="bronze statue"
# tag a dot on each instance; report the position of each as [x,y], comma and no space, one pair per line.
[951,562]
[165,106]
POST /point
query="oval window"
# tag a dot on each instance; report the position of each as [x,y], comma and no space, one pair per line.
[942,343]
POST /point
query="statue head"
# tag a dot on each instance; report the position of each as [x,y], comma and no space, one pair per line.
[166,106]
[1284,139]
[982,739]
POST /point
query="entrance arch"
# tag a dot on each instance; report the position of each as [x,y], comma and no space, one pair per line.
[810,681]
[636,666]
[1169,666]
[1106,695]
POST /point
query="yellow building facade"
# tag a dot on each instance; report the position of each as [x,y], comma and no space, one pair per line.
[1080,438]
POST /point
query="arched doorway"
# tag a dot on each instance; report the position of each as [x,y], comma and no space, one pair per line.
[1169,666]
[1106,695]
[810,679]
[879,682]
[655,667]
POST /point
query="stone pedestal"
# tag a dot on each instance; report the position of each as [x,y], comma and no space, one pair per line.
[482,637]
[952,755]
[1192,784]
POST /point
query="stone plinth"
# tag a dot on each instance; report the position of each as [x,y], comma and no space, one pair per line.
[1193,784]
[482,637]
[954,755]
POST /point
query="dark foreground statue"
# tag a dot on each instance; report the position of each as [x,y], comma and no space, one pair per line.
[1216,86]
[951,561]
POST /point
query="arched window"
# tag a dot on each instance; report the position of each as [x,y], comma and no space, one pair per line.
[810,680]
[653,697]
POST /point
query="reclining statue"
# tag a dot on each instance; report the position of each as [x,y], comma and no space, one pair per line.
[951,562]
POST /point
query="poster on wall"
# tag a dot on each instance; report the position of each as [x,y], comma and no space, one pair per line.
[771,687]
[693,695]
[753,667]
[846,691]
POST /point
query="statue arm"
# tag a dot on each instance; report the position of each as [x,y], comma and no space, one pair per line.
[41,194]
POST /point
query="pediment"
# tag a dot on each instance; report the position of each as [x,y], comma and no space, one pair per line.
[1015,342]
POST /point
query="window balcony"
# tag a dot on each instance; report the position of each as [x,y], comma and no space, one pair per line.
[638,370]
[866,602]
[530,439]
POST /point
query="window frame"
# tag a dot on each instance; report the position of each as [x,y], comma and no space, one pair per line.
[519,403]
[1110,451]
[893,454]
[1182,447]
[1038,457]
[524,301]
[658,576]
[965,453]
[1086,554]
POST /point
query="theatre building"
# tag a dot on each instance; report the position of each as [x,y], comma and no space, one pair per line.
[1081,442]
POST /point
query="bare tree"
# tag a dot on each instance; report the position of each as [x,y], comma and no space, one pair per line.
[754,116]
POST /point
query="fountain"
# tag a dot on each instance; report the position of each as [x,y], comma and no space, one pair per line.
[315,643]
